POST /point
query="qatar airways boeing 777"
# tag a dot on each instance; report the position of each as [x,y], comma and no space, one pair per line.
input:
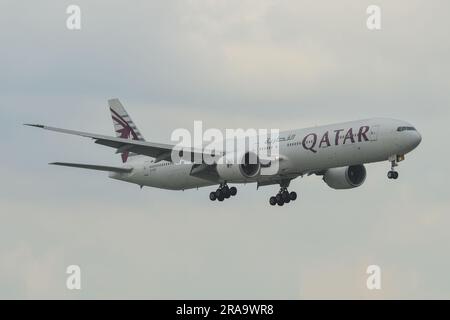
[337,152]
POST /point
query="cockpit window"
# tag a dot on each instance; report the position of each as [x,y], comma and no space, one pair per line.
[406,129]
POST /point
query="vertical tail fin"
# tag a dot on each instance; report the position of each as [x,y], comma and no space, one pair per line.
[123,125]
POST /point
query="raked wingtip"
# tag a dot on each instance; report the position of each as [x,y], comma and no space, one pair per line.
[34,125]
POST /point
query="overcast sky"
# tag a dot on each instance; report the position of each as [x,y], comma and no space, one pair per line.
[233,63]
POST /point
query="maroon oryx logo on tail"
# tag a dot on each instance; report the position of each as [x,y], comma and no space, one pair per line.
[124,131]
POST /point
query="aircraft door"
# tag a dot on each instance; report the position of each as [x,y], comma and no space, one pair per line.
[373,133]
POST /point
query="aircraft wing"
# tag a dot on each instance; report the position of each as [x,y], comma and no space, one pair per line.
[159,151]
[93,167]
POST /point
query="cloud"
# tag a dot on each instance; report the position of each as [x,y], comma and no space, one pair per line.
[276,64]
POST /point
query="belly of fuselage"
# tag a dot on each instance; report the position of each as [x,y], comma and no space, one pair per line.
[175,177]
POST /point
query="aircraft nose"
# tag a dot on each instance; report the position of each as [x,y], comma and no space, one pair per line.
[416,139]
[419,138]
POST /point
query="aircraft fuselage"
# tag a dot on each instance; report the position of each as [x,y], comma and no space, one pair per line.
[301,151]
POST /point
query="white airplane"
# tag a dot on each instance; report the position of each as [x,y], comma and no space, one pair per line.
[337,152]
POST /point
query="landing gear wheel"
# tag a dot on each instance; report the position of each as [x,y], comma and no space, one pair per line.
[283,196]
[273,201]
[223,192]
[293,196]
[392,175]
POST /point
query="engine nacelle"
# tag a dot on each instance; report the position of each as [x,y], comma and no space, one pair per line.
[345,177]
[239,167]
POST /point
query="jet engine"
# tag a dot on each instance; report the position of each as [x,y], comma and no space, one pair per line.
[345,177]
[239,166]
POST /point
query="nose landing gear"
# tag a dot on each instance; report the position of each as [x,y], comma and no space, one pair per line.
[392,174]
[283,196]
[222,193]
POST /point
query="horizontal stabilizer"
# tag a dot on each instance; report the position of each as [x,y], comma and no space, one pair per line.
[93,167]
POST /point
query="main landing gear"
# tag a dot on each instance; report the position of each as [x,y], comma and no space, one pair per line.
[222,193]
[392,174]
[283,196]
